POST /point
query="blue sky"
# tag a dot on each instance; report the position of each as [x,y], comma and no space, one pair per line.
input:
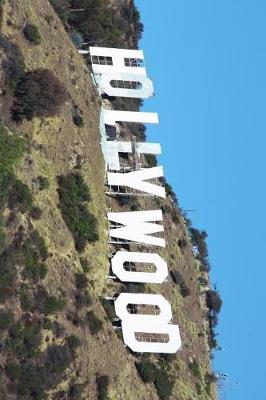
[207,60]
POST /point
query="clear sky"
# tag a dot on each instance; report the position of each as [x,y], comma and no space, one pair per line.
[207,60]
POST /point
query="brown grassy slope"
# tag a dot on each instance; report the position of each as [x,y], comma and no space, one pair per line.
[55,144]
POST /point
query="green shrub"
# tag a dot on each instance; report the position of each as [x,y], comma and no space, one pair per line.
[34,251]
[83,299]
[109,309]
[35,212]
[78,121]
[7,274]
[75,391]
[214,301]
[38,93]
[73,343]
[31,33]
[25,298]
[73,193]
[47,324]
[12,148]
[6,320]
[195,369]
[147,371]
[24,341]
[61,8]
[151,160]
[58,358]
[157,374]
[20,197]
[95,324]
[76,38]
[49,19]
[53,304]
[164,384]
[85,264]
[81,281]
[102,386]
[179,280]
[43,182]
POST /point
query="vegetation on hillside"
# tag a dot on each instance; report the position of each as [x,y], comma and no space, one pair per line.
[73,196]
[38,93]
[97,23]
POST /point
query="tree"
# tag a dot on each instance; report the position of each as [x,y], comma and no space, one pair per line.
[32,34]
[214,301]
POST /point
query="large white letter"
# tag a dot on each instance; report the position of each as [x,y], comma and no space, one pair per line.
[172,331]
[137,226]
[112,116]
[133,324]
[136,180]
[121,257]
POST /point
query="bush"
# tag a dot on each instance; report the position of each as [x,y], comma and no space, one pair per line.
[34,251]
[147,371]
[195,369]
[20,197]
[76,38]
[151,160]
[83,299]
[61,8]
[53,304]
[109,309]
[7,274]
[58,359]
[157,374]
[36,213]
[179,280]
[95,324]
[43,182]
[32,34]
[214,301]
[38,93]
[78,121]
[25,298]
[84,264]
[28,378]
[24,341]
[12,148]
[6,320]
[164,384]
[75,391]
[73,343]
[102,385]
[81,281]
[73,193]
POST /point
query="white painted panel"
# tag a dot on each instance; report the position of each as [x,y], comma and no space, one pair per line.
[137,226]
[148,148]
[113,116]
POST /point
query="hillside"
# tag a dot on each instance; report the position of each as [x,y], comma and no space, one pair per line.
[57,339]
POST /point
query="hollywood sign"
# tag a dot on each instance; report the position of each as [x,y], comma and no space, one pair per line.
[122,73]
